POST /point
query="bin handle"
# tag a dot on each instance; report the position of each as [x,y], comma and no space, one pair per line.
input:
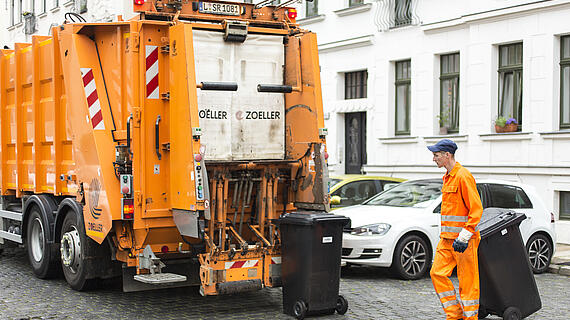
[157,138]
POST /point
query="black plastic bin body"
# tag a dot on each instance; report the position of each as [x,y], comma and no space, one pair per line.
[311,244]
[507,284]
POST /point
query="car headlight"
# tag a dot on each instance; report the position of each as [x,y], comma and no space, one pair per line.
[371,229]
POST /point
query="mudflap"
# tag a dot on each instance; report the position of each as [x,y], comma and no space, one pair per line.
[186,267]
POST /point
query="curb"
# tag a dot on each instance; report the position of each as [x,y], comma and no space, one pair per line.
[559,269]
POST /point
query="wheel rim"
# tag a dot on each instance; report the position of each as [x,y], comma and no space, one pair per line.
[37,240]
[413,258]
[71,250]
[539,253]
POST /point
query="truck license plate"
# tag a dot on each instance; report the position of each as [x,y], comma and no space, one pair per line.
[219,8]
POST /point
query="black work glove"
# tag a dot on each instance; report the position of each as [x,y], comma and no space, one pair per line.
[460,246]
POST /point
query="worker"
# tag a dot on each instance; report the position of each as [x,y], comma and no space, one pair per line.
[461,211]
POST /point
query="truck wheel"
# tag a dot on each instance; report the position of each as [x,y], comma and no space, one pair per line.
[341,305]
[411,258]
[300,309]
[42,255]
[512,313]
[73,251]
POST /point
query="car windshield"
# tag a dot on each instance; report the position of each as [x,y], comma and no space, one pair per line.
[418,194]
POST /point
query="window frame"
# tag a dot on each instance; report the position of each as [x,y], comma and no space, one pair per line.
[514,69]
[561,214]
[315,8]
[352,3]
[407,83]
[351,88]
[453,122]
[564,63]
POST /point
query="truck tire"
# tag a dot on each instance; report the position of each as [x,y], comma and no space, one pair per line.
[74,247]
[43,256]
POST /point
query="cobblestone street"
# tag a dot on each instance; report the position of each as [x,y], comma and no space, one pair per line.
[372,294]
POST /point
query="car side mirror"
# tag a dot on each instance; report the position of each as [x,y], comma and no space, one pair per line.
[335,200]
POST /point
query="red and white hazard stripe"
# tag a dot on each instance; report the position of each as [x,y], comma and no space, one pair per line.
[242,264]
[275,260]
[93,103]
[152,72]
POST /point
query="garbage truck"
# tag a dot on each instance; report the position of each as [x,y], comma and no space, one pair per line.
[162,148]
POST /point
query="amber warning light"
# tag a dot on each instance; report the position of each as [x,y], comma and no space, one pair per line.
[139,2]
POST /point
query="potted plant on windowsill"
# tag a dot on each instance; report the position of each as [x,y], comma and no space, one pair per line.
[503,124]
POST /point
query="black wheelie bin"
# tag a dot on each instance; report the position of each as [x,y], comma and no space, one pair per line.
[311,244]
[507,284]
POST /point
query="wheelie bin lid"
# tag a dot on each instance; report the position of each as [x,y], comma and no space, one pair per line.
[311,217]
[495,219]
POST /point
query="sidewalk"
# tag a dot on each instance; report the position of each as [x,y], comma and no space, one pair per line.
[560,262]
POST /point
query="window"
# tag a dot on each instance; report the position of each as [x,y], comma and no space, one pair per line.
[355,84]
[565,82]
[55,4]
[312,8]
[12,11]
[508,197]
[449,83]
[82,6]
[564,205]
[510,81]
[402,13]
[19,12]
[42,6]
[403,83]
[355,2]
[355,192]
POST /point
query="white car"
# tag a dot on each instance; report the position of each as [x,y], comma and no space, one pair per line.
[399,228]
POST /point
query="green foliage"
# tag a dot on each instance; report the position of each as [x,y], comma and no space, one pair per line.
[501,121]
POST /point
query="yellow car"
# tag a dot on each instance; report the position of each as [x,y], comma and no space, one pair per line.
[350,189]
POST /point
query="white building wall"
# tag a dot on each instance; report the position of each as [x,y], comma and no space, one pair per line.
[97,11]
[353,39]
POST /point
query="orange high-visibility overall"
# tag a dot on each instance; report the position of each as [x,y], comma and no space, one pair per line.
[460,208]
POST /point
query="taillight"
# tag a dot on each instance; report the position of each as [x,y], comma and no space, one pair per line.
[552,219]
[292,14]
[164,249]
[139,2]
[128,212]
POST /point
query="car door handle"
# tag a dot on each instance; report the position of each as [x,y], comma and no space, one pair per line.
[434,225]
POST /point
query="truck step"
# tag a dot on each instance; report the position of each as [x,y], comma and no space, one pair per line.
[160,278]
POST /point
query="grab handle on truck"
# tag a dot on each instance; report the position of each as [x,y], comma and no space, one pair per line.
[274,88]
[157,139]
[129,119]
[219,86]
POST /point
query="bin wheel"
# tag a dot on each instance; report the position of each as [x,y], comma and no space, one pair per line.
[512,313]
[482,313]
[300,309]
[341,305]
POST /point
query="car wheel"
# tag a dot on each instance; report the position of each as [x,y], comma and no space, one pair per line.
[41,254]
[539,252]
[411,258]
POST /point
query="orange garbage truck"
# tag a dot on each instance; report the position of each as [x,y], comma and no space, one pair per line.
[163,148]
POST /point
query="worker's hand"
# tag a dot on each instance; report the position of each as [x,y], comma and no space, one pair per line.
[459,245]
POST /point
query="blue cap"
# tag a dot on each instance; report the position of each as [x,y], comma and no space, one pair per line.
[444,145]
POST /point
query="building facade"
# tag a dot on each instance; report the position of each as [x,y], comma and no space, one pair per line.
[398,75]
[23,18]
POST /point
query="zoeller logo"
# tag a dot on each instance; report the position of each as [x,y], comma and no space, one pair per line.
[212,114]
[94,190]
[258,115]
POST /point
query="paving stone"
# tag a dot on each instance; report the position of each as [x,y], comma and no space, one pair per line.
[372,293]
[564,270]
